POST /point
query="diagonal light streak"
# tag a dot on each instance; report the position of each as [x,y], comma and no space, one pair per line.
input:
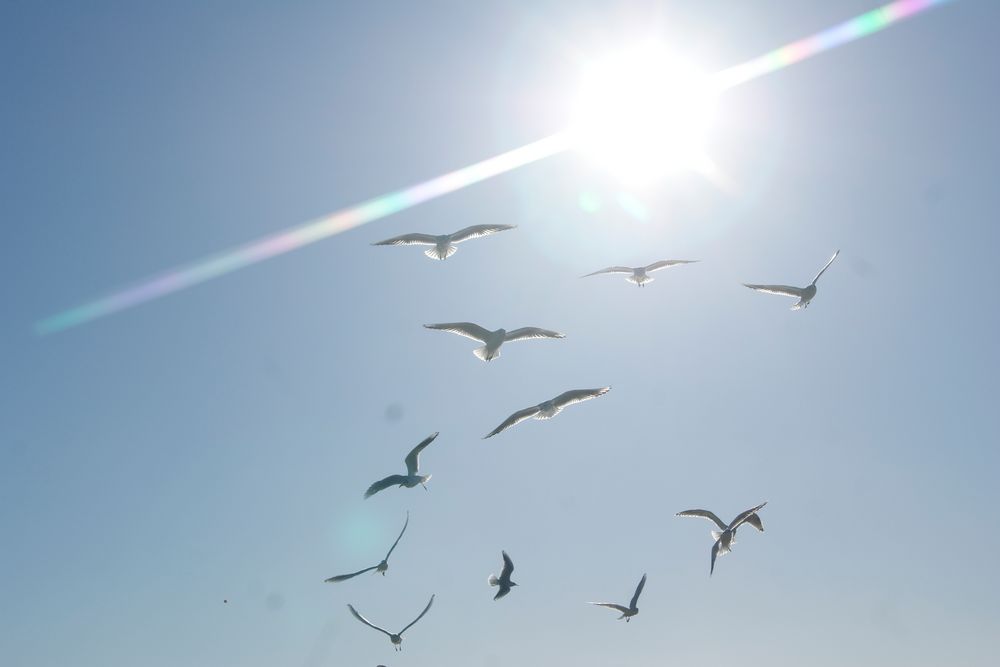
[302,235]
[279,243]
[860,26]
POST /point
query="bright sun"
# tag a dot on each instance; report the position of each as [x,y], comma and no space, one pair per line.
[642,114]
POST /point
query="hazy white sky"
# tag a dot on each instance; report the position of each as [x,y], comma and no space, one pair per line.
[216,444]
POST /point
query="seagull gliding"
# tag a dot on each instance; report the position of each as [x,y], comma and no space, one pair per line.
[632,609]
[381,567]
[803,294]
[395,638]
[411,478]
[550,408]
[640,274]
[444,244]
[493,339]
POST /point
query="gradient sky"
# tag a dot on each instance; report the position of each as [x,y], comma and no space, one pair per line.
[215,444]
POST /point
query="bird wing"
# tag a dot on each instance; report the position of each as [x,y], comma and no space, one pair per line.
[783,290]
[515,418]
[825,267]
[743,516]
[578,396]
[476,231]
[754,520]
[638,590]
[367,622]
[508,567]
[500,593]
[383,484]
[524,333]
[664,263]
[345,577]
[418,617]
[413,458]
[407,523]
[409,239]
[467,329]
[611,269]
[715,552]
[611,605]
[705,513]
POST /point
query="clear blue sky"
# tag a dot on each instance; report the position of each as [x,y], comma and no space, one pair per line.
[215,444]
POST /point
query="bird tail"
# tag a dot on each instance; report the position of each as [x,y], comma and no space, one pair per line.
[436,253]
[646,279]
[493,580]
[486,354]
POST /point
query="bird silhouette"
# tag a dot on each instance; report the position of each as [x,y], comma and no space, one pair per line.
[632,609]
[803,294]
[381,567]
[411,478]
[444,244]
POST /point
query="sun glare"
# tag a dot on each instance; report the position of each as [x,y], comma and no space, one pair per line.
[643,114]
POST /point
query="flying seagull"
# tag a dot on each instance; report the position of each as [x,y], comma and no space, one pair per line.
[549,409]
[381,567]
[629,611]
[444,244]
[640,274]
[503,581]
[803,294]
[493,339]
[726,536]
[411,478]
[395,638]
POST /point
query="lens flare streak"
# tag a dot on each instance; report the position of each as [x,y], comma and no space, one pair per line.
[860,26]
[277,244]
[303,235]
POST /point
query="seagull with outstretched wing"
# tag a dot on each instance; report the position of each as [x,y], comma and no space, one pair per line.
[492,339]
[725,537]
[549,409]
[395,637]
[632,609]
[443,245]
[411,478]
[381,567]
[803,294]
[503,581]
[639,275]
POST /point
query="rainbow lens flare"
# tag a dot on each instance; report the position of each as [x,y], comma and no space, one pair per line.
[302,235]
[277,244]
[860,26]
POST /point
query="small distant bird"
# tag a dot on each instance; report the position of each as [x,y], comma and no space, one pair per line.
[395,638]
[444,244]
[629,611]
[549,409]
[503,581]
[411,478]
[640,274]
[803,294]
[726,536]
[493,339]
[381,567]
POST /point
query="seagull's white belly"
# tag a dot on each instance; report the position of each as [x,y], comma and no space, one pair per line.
[548,411]
[639,277]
